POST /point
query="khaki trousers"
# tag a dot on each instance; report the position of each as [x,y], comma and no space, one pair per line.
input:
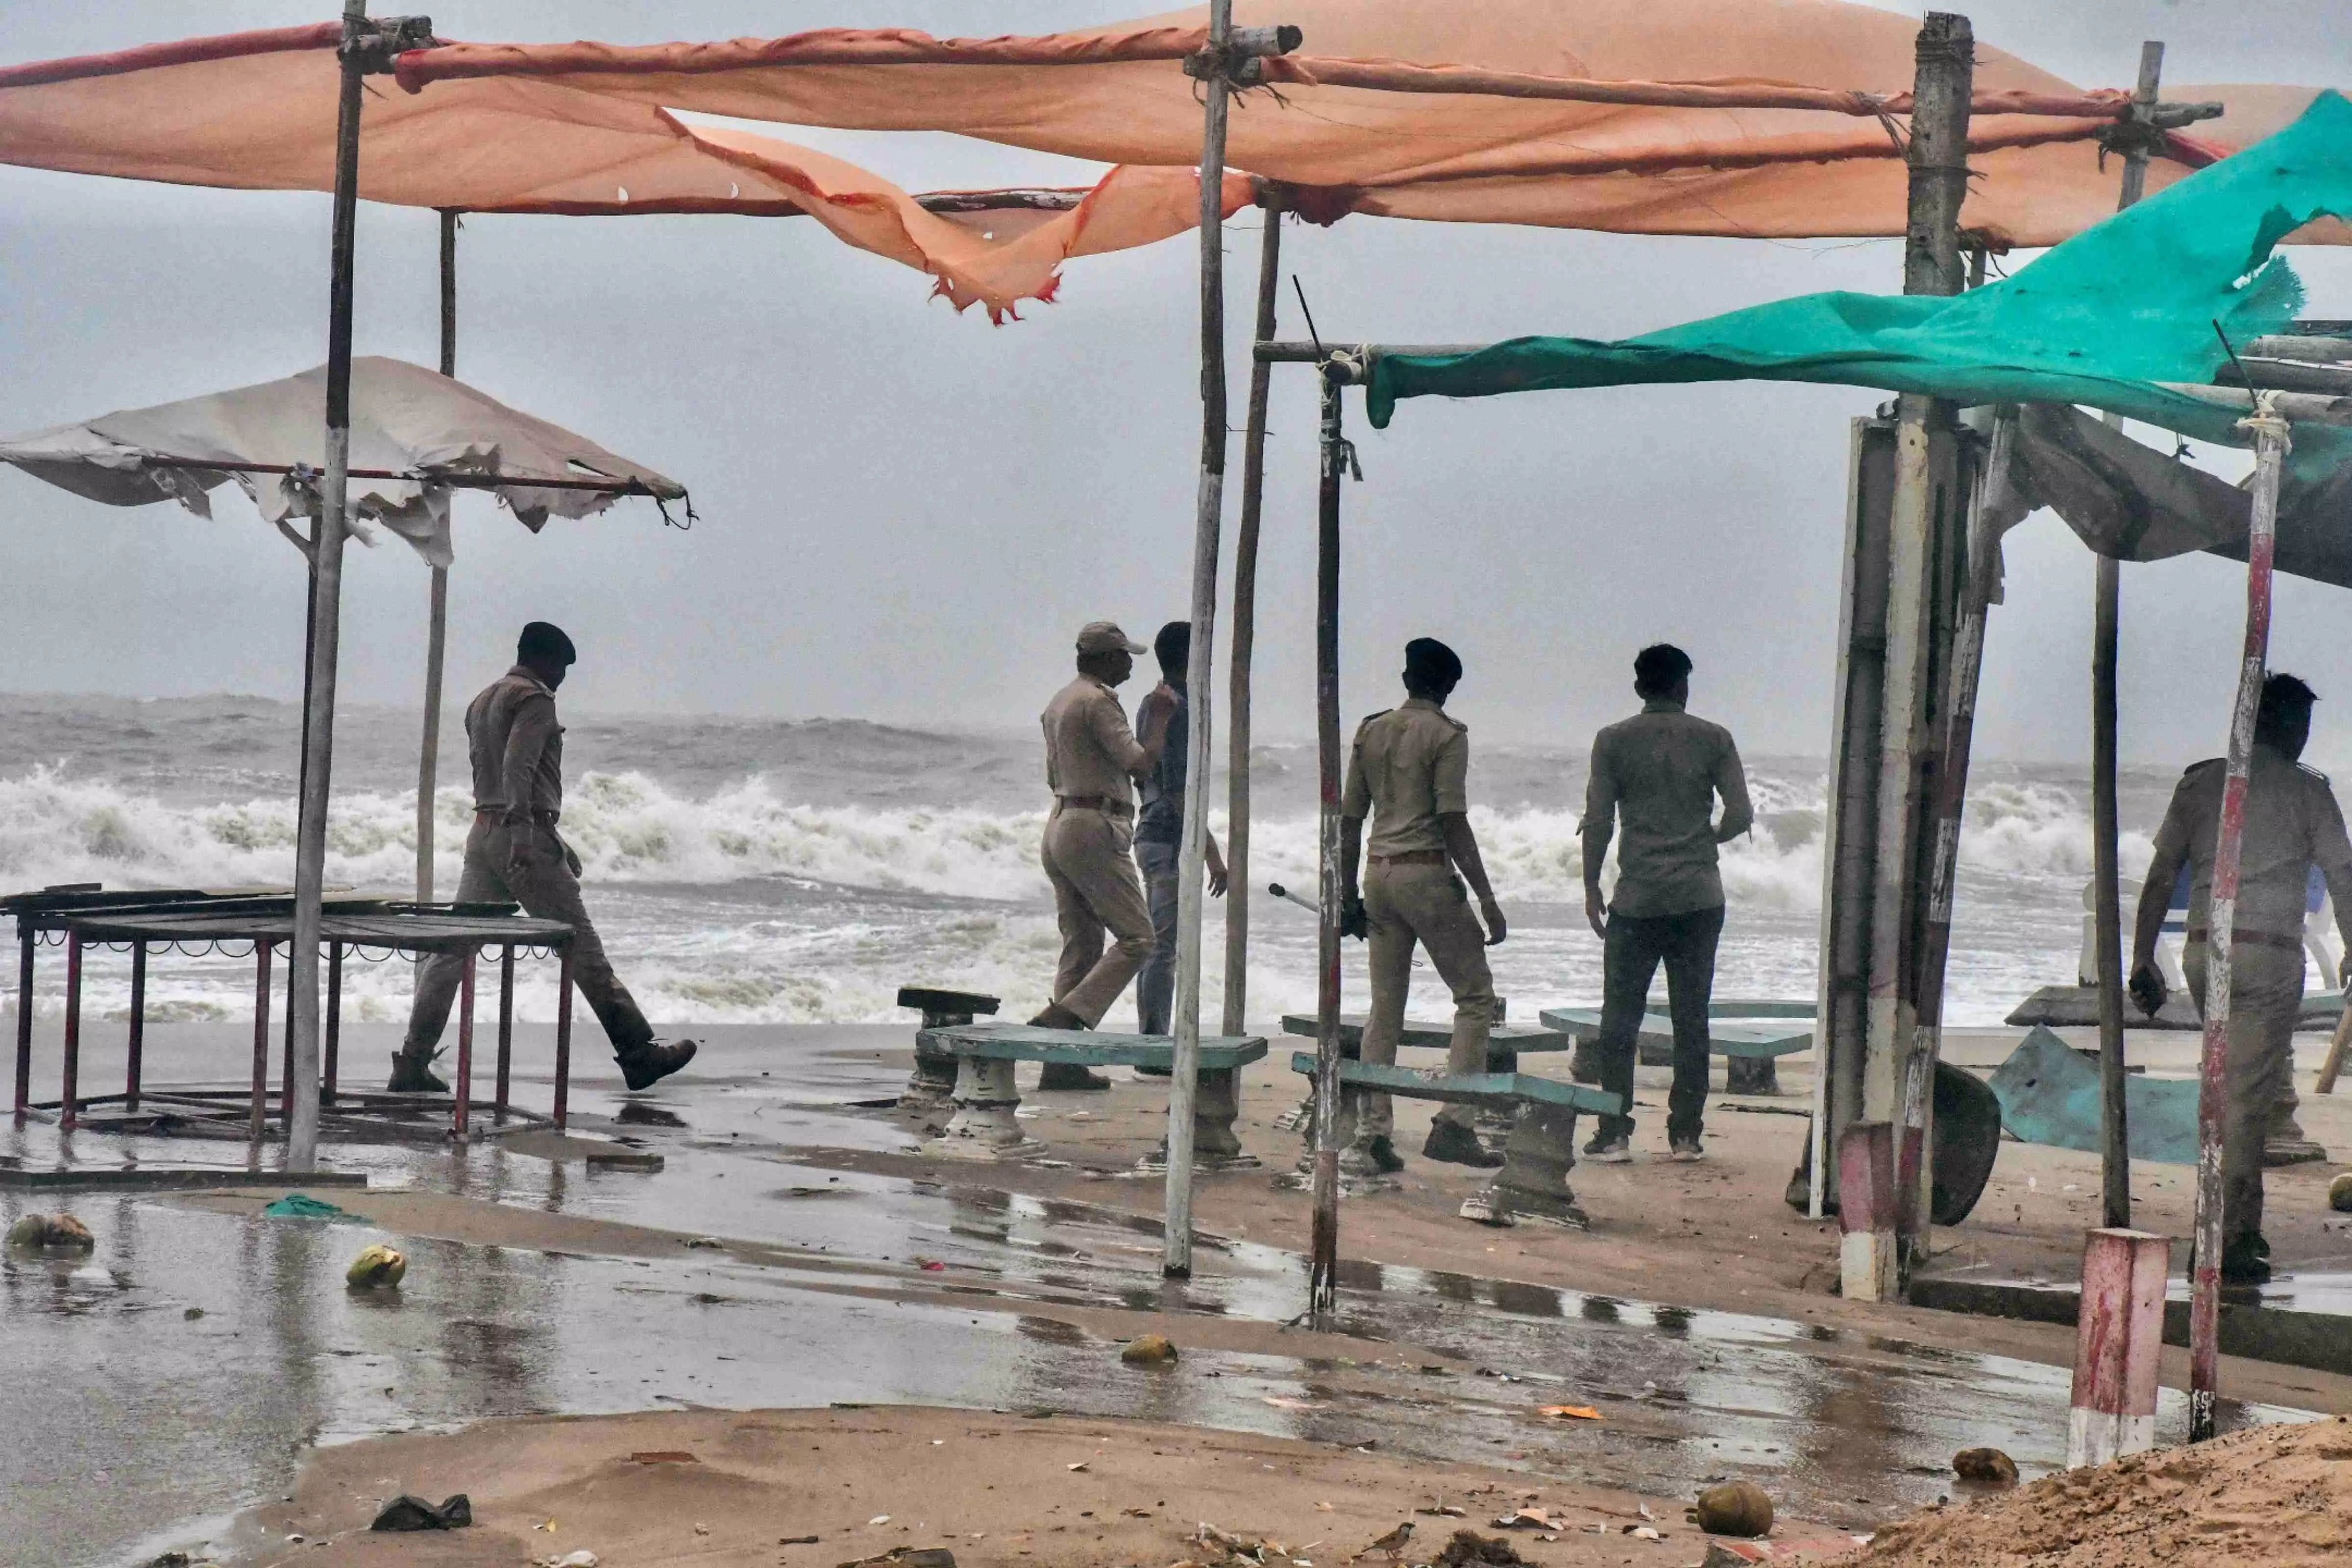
[1424,903]
[1086,858]
[544,886]
[2265,995]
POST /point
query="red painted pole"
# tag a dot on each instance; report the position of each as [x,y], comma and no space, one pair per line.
[465,1084]
[563,1034]
[1868,1209]
[2271,443]
[2118,1338]
[135,1052]
[69,1106]
[261,1039]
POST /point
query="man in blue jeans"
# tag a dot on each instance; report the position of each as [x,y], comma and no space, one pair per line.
[1659,774]
[1159,830]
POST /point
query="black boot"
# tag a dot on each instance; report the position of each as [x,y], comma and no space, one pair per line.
[645,1066]
[1070,1075]
[1457,1145]
[412,1074]
[1381,1152]
[2245,1260]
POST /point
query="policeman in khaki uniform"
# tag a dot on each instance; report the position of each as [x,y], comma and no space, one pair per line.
[1093,763]
[2291,823]
[1409,774]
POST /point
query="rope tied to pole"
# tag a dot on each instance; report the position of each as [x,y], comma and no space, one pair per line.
[2266,424]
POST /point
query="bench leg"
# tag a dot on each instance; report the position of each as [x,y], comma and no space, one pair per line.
[1494,1122]
[1217,1105]
[1751,1075]
[1358,1173]
[984,1126]
[1532,1185]
[930,1087]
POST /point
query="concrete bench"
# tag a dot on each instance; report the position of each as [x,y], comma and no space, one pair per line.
[1503,1045]
[930,1087]
[1750,1047]
[984,1126]
[1532,1184]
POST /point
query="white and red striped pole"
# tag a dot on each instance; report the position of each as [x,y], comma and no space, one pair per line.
[2271,443]
[2118,1337]
[1866,1212]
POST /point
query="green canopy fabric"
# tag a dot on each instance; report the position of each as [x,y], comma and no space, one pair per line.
[2100,319]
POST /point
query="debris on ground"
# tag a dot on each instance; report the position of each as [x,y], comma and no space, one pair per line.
[1989,1465]
[1735,1507]
[906,1557]
[377,1266]
[1530,1518]
[2339,1192]
[569,1560]
[1444,1510]
[405,1513]
[1735,1553]
[61,1232]
[1149,1349]
[1469,1547]
[1226,1546]
[2275,1497]
[1571,1413]
[664,1457]
[302,1205]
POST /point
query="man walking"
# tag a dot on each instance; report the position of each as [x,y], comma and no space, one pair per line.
[1659,773]
[1092,762]
[1410,773]
[1160,828]
[2291,823]
[514,854]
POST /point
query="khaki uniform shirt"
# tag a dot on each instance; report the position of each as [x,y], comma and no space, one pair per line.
[1089,747]
[1659,772]
[2291,823]
[1409,766]
[515,746]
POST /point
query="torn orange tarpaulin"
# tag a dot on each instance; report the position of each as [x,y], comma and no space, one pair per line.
[1681,168]
[257,111]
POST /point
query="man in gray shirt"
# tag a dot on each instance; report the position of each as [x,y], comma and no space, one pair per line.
[1659,773]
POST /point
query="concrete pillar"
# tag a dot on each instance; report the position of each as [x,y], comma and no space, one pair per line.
[1533,1182]
[2118,1336]
[1866,1252]
[1217,1105]
[930,1087]
[984,1126]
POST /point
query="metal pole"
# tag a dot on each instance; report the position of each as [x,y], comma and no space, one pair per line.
[438,620]
[2271,442]
[319,716]
[1323,1269]
[1237,768]
[2106,873]
[1208,521]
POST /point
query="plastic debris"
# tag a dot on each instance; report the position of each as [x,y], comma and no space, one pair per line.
[1735,1507]
[376,1267]
[1571,1413]
[409,1513]
[1149,1349]
[1985,1465]
[61,1232]
[302,1205]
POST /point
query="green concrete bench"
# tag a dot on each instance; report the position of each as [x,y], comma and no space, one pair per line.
[1503,1045]
[1532,1184]
[985,1127]
[1751,1049]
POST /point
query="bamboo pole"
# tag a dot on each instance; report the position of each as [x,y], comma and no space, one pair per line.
[1237,767]
[319,715]
[2106,875]
[2271,443]
[1323,1268]
[436,625]
[1208,520]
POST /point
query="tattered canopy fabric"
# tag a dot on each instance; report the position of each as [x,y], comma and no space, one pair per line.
[2106,319]
[406,420]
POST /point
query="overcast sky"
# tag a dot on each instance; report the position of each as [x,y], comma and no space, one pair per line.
[907,512]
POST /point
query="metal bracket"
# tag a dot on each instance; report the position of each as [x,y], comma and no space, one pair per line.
[383,39]
[1237,62]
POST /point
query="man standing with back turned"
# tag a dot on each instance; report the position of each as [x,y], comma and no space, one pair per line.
[1410,773]
[1093,761]
[1660,772]
[1160,828]
[2291,823]
[513,853]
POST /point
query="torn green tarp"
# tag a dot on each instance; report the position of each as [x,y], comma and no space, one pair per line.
[2101,320]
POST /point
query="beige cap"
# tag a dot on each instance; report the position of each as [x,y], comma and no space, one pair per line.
[1103,637]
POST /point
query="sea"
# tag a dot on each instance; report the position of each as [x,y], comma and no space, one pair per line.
[790,871]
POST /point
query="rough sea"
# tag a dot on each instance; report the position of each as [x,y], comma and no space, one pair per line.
[751,871]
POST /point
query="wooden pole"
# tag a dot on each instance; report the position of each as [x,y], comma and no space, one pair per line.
[1208,520]
[1245,537]
[1899,1053]
[2271,442]
[1323,1268]
[2333,1063]
[327,556]
[437,632]
[2106,874]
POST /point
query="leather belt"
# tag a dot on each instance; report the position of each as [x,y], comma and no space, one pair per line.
[1102,803]
[544,818]
[1413,858]
[2253,938]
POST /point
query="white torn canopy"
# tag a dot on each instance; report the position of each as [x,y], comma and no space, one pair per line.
[415,436]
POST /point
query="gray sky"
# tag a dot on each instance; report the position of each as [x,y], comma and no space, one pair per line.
[907,512]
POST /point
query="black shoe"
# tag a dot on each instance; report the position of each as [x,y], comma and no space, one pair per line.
[1056,1017]
[2245,1260]
[1382,1153]
[653,1061]
[1457,1145]
[1070,1075]
[414,1075]
[1609,1149]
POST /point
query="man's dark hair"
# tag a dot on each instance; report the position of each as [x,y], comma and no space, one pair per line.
[2285,713]
[1174,645]
[545,640]
[1657,667]
[1430,668]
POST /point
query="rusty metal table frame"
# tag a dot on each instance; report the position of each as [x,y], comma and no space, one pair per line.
[81,917]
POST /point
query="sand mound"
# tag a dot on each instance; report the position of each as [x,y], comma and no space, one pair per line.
[2279,1497]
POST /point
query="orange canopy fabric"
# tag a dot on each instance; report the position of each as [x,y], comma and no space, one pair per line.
[257,111]
[1643,168]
